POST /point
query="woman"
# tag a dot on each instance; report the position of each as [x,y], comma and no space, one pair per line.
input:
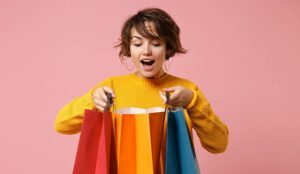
[149,38]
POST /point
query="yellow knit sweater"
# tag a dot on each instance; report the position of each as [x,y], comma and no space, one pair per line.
[134,91]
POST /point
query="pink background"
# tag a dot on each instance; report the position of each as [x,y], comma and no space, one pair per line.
[244,55]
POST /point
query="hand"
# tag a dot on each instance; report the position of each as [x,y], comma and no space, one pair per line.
[100,99]
[179,96]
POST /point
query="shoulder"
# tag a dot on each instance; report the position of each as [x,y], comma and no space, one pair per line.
[183,82]
[190,85]
[113,80]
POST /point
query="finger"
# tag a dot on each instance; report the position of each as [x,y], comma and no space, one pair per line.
[174,95]
[103,96]
[96,93]
[100,103]
[109,90]
[171,89]
[174,99]
[163,97]
[99,108]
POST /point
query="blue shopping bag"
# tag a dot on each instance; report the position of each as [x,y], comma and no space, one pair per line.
[180,153]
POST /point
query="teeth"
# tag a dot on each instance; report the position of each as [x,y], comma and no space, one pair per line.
[147,62]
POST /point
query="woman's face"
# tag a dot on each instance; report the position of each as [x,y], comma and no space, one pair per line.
[148,55]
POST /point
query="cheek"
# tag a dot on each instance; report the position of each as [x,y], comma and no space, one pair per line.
[134,55]
[161,55]
[134,51]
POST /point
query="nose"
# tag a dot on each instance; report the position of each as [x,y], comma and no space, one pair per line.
[147,50]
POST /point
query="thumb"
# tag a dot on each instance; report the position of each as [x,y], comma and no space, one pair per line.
[109,90]
[170,89]
[163,97]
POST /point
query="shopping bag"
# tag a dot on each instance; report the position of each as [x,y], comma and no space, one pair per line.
[122,142]
[96,152]
[139,139]
[180,154]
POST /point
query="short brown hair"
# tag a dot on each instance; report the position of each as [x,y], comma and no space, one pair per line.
[165,26]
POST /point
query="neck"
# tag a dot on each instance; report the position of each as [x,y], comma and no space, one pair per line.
[159,75]
[162,74]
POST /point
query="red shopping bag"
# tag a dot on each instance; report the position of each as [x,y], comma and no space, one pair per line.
[96,152]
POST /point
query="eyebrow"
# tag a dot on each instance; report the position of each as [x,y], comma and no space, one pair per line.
[137,37]
[140,38]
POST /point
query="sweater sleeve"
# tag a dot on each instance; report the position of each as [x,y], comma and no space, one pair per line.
[69,118]
[213,133]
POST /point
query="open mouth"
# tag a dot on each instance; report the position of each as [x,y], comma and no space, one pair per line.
[147,62]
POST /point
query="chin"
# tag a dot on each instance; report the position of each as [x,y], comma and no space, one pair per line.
[148,74]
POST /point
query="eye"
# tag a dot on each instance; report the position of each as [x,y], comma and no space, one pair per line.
[137,45]
[156,44]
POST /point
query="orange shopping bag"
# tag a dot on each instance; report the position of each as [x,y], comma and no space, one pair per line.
[140,140]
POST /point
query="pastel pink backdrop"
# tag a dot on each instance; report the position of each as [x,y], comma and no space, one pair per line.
[244,55]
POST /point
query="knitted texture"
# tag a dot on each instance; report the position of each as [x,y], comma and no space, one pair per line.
[134,91]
